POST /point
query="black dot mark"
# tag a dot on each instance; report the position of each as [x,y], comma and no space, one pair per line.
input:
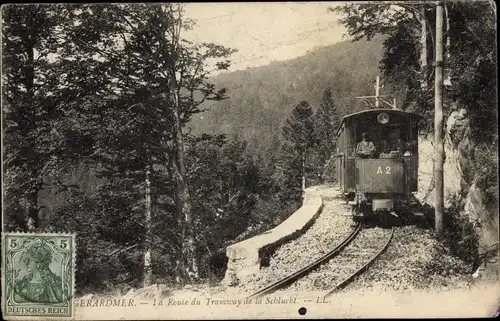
[302,311]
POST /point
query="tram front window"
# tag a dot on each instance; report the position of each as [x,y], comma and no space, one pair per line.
[391,144]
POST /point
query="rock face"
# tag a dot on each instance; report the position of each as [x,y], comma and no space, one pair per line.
[245,258]
[457,158]
[486,221]
[460,177]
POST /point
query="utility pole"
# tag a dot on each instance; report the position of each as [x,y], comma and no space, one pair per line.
[438,121]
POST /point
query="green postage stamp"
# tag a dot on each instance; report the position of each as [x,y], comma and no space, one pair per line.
[39,275]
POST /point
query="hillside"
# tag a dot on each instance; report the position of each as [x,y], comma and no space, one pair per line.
[260,99]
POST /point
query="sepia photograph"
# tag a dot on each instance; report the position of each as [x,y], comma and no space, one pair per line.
[250,160]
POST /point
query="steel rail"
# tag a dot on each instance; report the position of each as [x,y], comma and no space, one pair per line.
[351,278]
[300,273]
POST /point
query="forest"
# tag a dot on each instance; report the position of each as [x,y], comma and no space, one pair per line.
[96,102]
[103,132]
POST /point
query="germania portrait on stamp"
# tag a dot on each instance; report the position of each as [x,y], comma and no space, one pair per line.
[38,275]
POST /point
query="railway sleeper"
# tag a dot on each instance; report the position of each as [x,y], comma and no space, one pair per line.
[360,255]
[348,267]
[321,275]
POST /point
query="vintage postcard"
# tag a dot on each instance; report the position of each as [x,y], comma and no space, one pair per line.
[249,160]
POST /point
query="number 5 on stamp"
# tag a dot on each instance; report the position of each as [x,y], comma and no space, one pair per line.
[38,278]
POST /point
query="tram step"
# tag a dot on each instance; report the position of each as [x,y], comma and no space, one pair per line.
[352,214]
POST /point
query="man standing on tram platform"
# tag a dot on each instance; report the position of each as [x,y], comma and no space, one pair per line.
[365,147]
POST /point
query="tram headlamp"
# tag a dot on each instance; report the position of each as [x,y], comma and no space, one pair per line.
[383,118]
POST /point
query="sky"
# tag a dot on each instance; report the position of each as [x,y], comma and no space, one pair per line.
[263,32]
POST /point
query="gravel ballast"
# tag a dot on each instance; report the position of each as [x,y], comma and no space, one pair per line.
[329,229]
[359,252]
[415,260]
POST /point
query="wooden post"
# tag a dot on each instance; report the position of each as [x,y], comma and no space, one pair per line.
[438,122]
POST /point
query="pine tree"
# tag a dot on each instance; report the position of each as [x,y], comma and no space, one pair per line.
[300,140]
[326,121]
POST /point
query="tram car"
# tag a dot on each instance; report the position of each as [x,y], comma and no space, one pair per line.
[377,162]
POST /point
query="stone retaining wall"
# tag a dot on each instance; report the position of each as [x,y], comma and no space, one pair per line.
[246,257]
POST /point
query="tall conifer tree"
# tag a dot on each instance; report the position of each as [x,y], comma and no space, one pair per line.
[300,140]
[326,121]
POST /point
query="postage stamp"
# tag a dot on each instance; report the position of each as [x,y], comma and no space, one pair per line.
[39,275]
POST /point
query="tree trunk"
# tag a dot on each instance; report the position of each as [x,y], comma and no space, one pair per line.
[29,82]
[32,201]
[148,272]
[447,71]
[303,174]
[187,260]
[186,266]
[423,49]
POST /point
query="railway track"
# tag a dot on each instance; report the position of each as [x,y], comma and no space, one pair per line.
[340,266]
[370,258]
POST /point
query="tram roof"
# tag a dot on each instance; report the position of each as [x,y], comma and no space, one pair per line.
[376,111]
